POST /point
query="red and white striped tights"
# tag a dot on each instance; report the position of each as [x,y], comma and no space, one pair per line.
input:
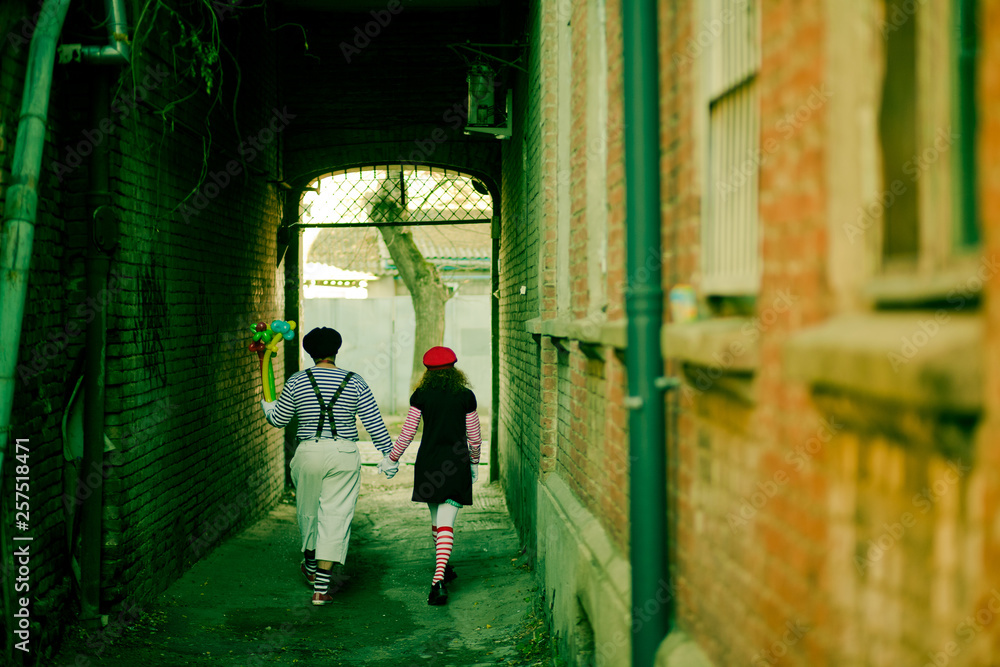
[443,530]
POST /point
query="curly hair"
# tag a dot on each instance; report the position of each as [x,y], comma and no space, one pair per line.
[448,379]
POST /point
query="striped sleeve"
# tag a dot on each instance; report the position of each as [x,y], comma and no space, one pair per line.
[475,437]
[406,435]
[281,414]
[371,417]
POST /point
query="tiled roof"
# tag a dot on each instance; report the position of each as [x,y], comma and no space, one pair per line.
[449,246]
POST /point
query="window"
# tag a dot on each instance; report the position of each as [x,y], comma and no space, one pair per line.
[563,199]
[731,263]
[597,152]
[927,128]
[966,47]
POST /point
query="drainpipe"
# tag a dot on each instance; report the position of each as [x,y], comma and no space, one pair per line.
[21,209]
[291,235]
[20,213]
[968,182]
[115,52]
[644,308]
[495,342]
[102,237]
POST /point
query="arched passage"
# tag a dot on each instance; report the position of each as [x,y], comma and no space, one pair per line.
[463,179]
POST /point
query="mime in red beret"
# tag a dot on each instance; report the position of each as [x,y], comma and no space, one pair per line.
[448,457]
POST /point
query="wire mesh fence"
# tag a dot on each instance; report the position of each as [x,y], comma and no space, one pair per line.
[395,195]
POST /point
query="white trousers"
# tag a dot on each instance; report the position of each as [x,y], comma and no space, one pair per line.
[327,478]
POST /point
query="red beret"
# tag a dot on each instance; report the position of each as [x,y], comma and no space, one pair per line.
[439,357]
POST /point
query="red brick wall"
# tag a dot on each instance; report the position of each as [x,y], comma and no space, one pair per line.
[615,484]
[615,164]
[679,67]
[793,222]
[520,356]
[761,569]
[988,93]
[594,456]
[779,490]
[782,501]
[568,402]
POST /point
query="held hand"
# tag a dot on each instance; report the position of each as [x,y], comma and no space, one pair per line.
[475,472]
[388,466]
[268,405]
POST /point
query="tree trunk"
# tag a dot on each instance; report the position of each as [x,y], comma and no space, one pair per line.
[426,290]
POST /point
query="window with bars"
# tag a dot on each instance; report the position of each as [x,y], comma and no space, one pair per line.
[731,259]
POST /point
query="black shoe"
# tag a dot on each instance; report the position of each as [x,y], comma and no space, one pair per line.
[439,594]
[449,574]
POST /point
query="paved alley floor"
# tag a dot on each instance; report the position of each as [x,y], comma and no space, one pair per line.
[247,604]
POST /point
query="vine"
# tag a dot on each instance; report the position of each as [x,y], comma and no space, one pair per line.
[206,56]
[185,36]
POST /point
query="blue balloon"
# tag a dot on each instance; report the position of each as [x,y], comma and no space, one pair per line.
[277,325]
[288,335]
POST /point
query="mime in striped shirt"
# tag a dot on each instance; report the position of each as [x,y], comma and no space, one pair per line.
[326,468]
[448,459]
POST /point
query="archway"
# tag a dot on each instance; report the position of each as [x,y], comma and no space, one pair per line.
[337,221]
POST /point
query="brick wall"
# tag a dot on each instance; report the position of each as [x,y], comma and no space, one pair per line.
[724,445]
[790,529]
[751,527]
[195,265]
[614,493]
[202,461]
[679,68]
[982,548]
[520,355]
[557,420]
[836,527]
[988,88]
[562,417]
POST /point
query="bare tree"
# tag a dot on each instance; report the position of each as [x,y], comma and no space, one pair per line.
[421,277]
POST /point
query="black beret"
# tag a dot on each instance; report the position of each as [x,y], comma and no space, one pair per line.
[322,342]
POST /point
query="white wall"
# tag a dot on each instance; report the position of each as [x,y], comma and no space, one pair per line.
[378,342]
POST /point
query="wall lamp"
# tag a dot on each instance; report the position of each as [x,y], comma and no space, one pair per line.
[483,78]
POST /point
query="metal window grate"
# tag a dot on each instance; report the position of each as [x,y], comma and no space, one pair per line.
[395,195]
[731,258]
[734,50]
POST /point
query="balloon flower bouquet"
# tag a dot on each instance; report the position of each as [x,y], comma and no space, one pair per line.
[265,343]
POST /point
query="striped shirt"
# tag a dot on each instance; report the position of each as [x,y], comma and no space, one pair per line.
[475,438]
[298,399]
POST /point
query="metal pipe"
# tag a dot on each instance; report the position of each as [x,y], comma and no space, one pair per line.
[115,52]
[968,228]
[644,308]
[101,238]
[495,343]
[20,213]
[293,306]
[21,209]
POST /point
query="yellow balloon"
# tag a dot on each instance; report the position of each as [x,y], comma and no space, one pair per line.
[291,325]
